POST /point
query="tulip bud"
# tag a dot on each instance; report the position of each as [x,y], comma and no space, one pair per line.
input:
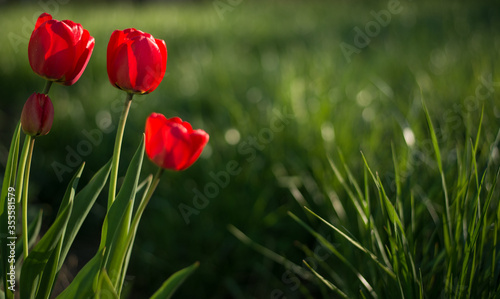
[37,115]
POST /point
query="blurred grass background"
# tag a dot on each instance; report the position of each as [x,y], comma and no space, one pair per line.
[229,73]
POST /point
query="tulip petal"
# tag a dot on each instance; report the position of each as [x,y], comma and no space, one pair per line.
[156,148]
[199,139]
[76,31]
[125,66]
[83,51]
[174,119]
[47,116]
[115,40]
[148,68]
[132,33]
[154,124]
[164,54]
[178,146]
[59,55]
[64,35]
[39,44]
[30,117]
[44,17]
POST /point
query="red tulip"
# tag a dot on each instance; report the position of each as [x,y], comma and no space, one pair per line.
[172,143]
[59,50]
[37,115]
[136,61]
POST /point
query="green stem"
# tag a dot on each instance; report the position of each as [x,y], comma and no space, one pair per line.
[117,150]
[142,206]
[149,194]
[22,166]
[25,197]
[46,89]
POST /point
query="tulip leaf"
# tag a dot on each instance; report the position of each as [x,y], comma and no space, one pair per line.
[173,282]
[116,225]
[133,229]
[10,170]
[119,248]
[40,262]
[40,267]
[69,195]
[49,274]
[83,202]
[82,286]
[105,289]
[8,181]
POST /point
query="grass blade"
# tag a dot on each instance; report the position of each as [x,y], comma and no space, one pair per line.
[268,253]
[330,285]
[173,282]
[355,243]
[391,211]
[330,246]
[356,202]
[448,220]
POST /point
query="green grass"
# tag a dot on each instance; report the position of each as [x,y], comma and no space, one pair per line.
[387,204]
